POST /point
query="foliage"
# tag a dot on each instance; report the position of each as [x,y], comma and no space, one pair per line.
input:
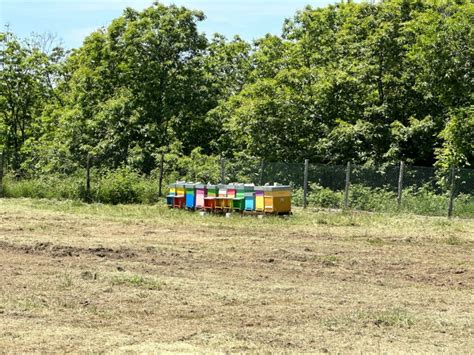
[371,83]
[458,139]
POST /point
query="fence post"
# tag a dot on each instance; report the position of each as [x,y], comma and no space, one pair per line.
[400,184]
[160,178]
[1,174]
[262,163]
[222,171]
[348,183]
[305,183]
[452,192]
[88,177]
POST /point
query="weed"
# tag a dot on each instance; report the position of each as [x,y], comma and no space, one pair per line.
[137,281]
[65,281]
[375,241]
[330,260]
[453,240]
[396,317]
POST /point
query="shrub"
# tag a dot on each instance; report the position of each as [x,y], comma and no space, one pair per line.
[372,199]
[323,197]
[123,185]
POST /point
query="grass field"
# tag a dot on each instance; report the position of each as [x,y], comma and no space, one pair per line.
[76,277]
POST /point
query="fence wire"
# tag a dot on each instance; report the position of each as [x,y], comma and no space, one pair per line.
[414,188]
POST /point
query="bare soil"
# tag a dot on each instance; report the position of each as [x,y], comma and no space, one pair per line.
[108,280]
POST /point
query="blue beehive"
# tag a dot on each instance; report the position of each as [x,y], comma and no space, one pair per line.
[249,198]
[190,195]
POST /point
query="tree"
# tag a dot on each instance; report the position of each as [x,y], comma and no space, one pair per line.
[27,83]
[134,81]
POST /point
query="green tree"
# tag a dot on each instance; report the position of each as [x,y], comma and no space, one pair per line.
[27,83]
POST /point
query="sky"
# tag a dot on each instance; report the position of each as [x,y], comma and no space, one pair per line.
[73,20]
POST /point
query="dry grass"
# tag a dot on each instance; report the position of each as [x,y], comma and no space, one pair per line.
[140,279]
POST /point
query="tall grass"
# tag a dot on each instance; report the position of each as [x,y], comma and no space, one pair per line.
[123,186]
[421,201]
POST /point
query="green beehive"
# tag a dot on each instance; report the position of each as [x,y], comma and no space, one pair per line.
[238,202]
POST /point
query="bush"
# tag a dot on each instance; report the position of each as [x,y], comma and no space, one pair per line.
[424,201]
[123,185]
[372,199]
[323,197]
[45,187]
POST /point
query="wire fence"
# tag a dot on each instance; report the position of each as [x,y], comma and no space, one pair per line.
[392,188]
[401,187]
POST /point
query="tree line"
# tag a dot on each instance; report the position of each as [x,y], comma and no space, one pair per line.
[371,83]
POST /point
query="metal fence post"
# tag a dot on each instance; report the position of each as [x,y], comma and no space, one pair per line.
[452,192]
[348,183]
[160,178]
[1,174]
[222,171]
[400,184]
[305,183]
[88,177]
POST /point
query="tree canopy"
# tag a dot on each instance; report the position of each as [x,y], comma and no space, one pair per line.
[373,83]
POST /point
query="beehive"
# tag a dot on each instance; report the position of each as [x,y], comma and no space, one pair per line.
[190,195]
[249,198]
[180,196]
[238,202]
[180,188]
[221,198]
[200,195]
[259,199]
[210,199]
[277,199]
[171,194]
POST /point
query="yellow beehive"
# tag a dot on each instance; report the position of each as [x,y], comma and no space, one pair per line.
[259,198]
[277,199]
[180,189]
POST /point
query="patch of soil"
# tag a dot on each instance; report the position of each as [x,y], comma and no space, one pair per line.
[69,251]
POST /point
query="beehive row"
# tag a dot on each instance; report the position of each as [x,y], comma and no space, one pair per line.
[240,198]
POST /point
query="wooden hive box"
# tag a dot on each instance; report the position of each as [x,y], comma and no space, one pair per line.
[190,195]
[221,198]
[210,199]
[277,199]
[238,202]
[200,195]
[180,196]
[171,194]
[259,198]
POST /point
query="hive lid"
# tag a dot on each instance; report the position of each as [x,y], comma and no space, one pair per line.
[189,185]
[249,194]
[210,186]
[276,188]
[200,186]
[222,186]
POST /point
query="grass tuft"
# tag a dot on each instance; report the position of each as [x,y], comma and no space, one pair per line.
[137,281]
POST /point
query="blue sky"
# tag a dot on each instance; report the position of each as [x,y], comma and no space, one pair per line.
[73,20]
